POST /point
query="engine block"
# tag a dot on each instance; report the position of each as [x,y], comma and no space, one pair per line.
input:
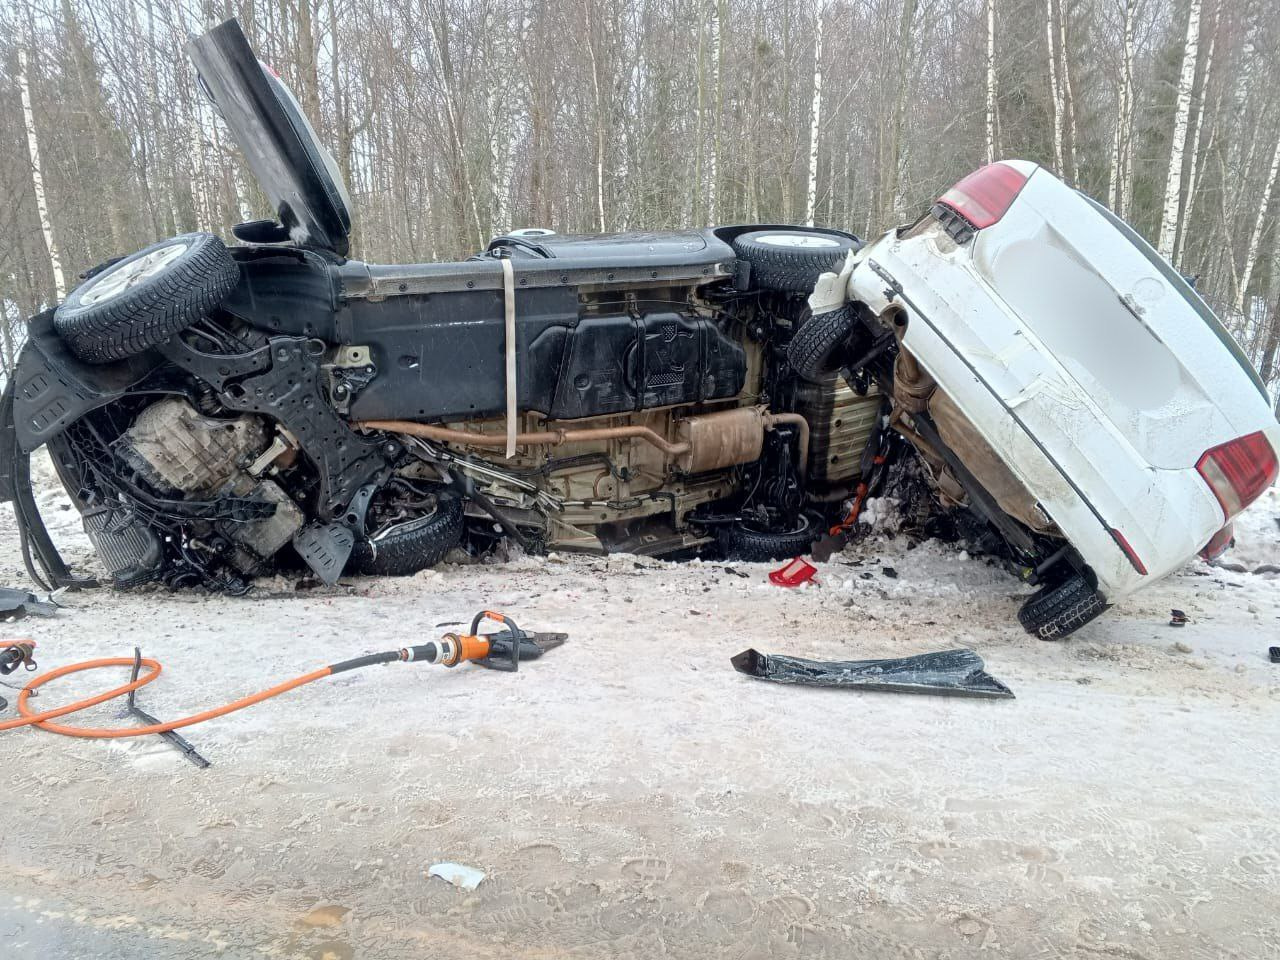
[175,448]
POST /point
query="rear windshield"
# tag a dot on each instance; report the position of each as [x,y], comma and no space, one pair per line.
[1185,289]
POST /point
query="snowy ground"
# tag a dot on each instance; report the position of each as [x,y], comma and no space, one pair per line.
[631,796]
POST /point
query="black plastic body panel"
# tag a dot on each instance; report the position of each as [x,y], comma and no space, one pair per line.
[611,260]
[52,389]
[283,290]
[442,356]
[619,364]
[664,249]
[8,444]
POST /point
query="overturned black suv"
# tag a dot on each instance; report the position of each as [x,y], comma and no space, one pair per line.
[219,412]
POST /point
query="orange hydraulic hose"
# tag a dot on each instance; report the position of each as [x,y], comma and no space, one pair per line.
[433,651]
[42,720]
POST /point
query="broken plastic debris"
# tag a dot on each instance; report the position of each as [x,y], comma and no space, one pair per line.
[794,573]
[460,875]
[17,603]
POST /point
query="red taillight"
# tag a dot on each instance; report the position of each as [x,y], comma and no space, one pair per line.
[1237,472]
[1129,552]
[1220,544]
[985,195]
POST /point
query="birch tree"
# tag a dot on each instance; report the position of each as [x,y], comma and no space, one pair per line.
[713,159]
[37,177]
[1055,88]
[1119,185]
[1255,237]
[594,36]
[815,118]
[1072,138]
[1193,156]
[991,81]
[1172,209]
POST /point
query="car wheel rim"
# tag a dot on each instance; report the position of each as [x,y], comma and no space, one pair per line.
[804,240]
[113,283]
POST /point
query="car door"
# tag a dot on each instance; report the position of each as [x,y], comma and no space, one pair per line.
[294,169]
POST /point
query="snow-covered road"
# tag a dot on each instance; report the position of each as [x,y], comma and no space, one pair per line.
[631,796]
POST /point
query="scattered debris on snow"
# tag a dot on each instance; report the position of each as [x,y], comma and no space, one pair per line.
[460,875]
[657,798]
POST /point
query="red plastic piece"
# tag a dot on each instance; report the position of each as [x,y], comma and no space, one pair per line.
[1220,544]
[1129,552]
[795,573]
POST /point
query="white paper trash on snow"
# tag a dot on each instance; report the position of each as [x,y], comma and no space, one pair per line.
[460,875]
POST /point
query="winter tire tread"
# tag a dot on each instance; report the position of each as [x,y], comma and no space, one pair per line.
[817,339]
[154,310]
[1057,611]
[403,553]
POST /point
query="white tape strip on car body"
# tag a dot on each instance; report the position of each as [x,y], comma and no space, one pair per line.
[509,295]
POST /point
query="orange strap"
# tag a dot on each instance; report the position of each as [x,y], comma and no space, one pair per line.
[860,497]
[854,512]
[42,720]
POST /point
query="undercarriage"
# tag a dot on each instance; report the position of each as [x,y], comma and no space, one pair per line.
[349,418]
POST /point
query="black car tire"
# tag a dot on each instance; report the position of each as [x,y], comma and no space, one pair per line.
[818,340]
[791,260]
[750,543]
[413,546]
[100,324]
[1058,610]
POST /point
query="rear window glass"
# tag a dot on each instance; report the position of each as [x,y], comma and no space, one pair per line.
[1186,290]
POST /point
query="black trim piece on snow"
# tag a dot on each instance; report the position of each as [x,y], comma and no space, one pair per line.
[948,673]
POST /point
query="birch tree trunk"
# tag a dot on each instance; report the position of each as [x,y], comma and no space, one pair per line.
[991,81]
[1119,184]
[815,120]
[1072,136]
[698,187]
[1193,175]
[598,97]
[1055,90]
[37,177]
[1255,238]
[1173,184]
[505,142]
[713,160]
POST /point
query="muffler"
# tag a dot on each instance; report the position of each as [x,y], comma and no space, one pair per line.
[729,438]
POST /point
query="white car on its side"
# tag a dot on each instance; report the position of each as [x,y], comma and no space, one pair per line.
[1061,377]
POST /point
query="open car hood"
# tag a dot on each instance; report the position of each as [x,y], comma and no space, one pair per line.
[297,173]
